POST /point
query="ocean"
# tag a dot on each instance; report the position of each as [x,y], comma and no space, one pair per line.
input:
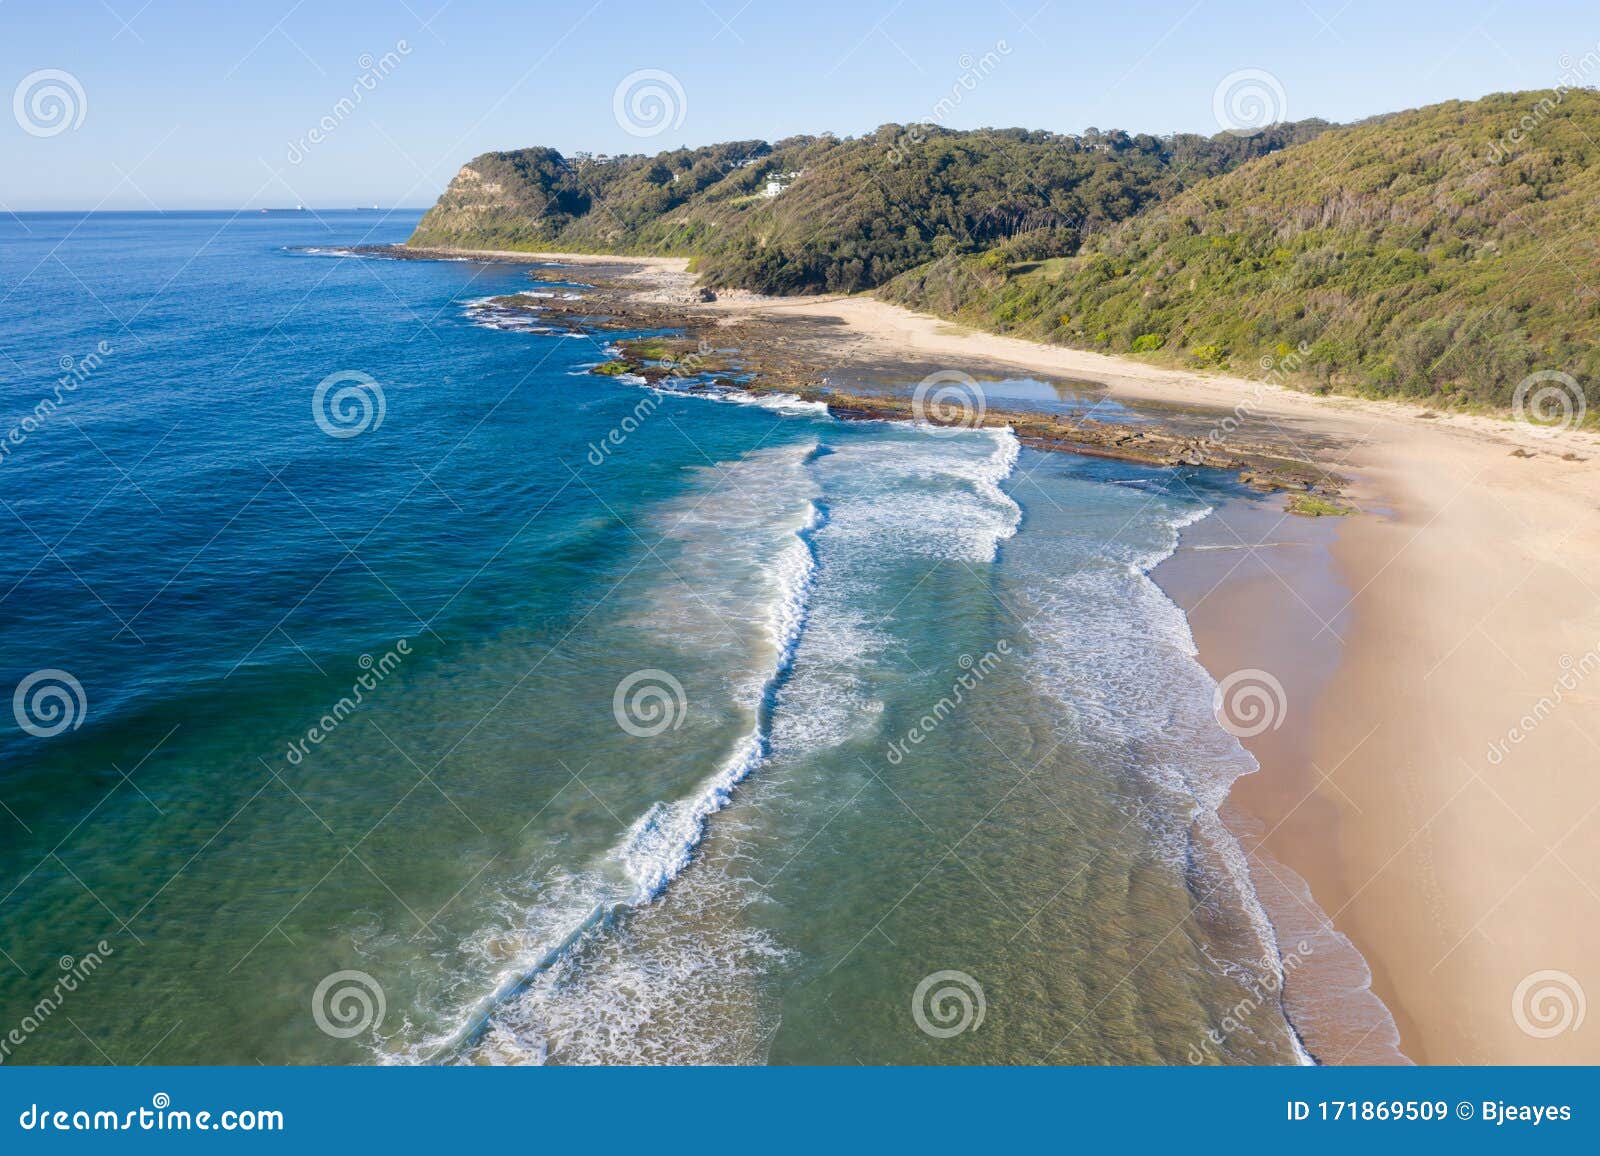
[387,689]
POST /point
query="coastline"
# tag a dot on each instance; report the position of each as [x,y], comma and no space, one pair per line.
[660,266]
[1459,860]
[1256,589]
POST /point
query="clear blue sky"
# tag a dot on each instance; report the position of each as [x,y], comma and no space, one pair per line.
[191,105]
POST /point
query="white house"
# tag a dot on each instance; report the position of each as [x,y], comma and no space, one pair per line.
[778,182]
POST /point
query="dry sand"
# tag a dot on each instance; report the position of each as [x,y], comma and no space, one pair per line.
[665,266]
[1459,859]
[1435,777]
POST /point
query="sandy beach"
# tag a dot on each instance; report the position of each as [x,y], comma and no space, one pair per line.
[1456,846]
[1431,776]
[662,270]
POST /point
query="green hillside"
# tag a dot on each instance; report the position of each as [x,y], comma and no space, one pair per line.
[1440,253]
[852,213]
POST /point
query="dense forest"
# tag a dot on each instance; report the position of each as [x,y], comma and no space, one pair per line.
[1443,253]
[1440,253]
[851,214]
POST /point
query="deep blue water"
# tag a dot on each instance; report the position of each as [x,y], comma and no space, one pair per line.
[630,774]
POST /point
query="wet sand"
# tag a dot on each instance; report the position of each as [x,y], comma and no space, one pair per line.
[1435,780]
[1261,590]
[1456,845]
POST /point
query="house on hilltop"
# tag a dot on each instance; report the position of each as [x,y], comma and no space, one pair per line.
[778,182]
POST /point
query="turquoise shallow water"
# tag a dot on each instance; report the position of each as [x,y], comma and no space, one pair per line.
[404,727]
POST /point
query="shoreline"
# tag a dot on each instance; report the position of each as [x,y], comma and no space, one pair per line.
[1242,618]
[1458,860]
[1456,847]
[656,265]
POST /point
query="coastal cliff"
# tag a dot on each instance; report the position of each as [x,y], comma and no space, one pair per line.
[1422,255]
[813,214]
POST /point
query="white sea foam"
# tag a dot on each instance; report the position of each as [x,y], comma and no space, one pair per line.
[678,983]
[1121,657]
[907,494]
[804,602]
[314,251]
[576,909]
[660,843]
[788,404]
[785,403]
[828,700]
[914,493]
